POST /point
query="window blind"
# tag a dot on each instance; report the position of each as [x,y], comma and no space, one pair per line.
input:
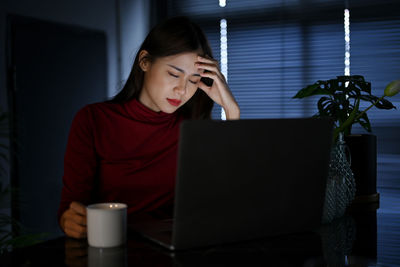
[275,48]
[270,62]
[375,54]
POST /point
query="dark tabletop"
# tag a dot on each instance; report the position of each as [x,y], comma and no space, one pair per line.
[360,238]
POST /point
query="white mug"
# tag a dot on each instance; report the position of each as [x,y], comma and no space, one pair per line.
[106,224]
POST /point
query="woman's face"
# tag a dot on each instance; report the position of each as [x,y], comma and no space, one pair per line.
[169,82]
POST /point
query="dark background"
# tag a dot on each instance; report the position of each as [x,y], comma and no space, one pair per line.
[58,56]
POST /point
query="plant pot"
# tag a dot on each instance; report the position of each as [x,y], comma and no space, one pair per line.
[363,164]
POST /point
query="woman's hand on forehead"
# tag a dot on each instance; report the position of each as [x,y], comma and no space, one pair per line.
[219,90]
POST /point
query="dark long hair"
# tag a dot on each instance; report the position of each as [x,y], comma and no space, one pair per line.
[173,36]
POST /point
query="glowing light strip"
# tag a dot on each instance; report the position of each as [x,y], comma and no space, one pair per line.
[224,55]
[347,42]
[222,3]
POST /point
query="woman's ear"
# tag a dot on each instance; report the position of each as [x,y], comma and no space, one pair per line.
[144,60]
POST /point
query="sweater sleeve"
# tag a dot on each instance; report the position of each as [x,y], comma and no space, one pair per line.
[80,162]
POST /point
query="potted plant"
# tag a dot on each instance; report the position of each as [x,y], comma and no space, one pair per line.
[340,100]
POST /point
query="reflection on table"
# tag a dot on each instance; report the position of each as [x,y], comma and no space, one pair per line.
[348,241]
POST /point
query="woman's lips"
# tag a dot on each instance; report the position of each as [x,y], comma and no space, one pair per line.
[174,102]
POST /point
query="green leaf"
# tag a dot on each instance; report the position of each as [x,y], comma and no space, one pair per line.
[385,104]
[393,88]
[370,98]
[363,86]
[322,102]
[381,104]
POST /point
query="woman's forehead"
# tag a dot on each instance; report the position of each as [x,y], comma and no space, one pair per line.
[187,56]
[183,61]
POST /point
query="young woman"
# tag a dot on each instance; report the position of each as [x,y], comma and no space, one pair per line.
[125,150]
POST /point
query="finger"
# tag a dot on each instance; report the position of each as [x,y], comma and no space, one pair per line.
[71,225]
[79,219]
[207,63]
[207,66]
[78,208]
[215,72]
[75,234]
[75,227]
[207,60]
[211,66]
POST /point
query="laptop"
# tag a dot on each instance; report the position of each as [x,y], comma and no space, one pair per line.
[244,180]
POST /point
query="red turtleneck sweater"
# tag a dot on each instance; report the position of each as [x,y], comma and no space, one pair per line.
[121,153]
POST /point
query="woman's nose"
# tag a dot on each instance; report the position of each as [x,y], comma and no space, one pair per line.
[181,88]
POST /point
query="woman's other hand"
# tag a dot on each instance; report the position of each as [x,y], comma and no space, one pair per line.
[219,91]
[73,220]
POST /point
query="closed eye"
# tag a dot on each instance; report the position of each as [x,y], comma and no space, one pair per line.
[193,82]
[173,75]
